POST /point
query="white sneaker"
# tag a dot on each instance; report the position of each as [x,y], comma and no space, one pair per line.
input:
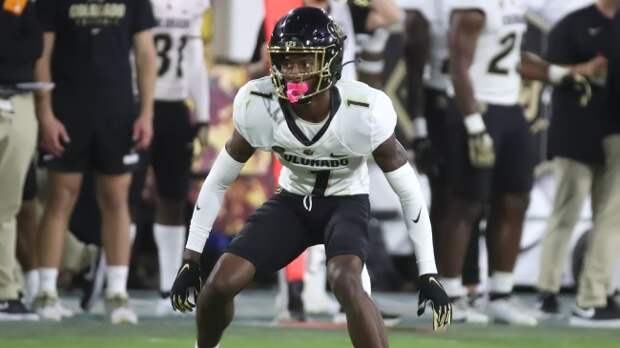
[117,308]
[463,312]
[48,307]
[319,303]
[509,311]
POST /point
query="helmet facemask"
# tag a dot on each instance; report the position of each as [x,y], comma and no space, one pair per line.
[303,85]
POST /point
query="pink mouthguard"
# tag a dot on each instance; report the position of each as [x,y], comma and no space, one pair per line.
[295,90]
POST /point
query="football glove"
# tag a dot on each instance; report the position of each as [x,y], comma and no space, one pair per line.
[422,150]
[479,142]
[432,291]
[581,85]
[187,282]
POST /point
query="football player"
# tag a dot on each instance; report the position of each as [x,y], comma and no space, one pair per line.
[322,130]
[181,75]
[491,154]
[426,31]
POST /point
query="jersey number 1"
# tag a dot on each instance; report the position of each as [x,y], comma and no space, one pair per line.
[322,179]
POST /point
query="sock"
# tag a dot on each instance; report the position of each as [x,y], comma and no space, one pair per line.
[170,241]
[453,286]
[31,285]
[116,277]
[501,283]
[47,280]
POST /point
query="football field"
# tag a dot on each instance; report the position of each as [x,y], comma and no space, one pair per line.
[255,328]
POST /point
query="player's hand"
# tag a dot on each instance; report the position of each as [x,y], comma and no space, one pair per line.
[186,283]
[424,160]
[142,132]
[432,291]
[479,142]
[202,134]
[53,134]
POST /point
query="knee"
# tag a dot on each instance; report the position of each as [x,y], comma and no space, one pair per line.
[220,287]
[345,281]
[112,198]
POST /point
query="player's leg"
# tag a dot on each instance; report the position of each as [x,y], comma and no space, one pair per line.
[346,244]
[514,177]
[363,318]
[215,307]
[463,202]
[27,225]
[171,155]
[114,160]
[271,238]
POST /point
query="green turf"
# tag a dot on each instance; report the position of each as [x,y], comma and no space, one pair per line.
[89,333]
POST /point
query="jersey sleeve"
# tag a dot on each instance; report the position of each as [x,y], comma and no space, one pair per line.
[199,79]
[383,120]
[251,119]
[143,17]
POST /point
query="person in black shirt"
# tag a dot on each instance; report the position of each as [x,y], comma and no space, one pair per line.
[578,41]
[89,123]
[20,47]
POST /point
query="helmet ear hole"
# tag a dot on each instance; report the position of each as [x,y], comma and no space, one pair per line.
[308,30]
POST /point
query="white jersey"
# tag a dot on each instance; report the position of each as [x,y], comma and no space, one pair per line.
[333,163]
[181,69]
[341,14]
[498,51]
[435,11]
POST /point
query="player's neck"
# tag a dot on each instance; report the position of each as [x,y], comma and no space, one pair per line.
[607,7]
[316,110]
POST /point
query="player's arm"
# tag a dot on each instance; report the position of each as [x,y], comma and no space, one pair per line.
[465,29]
[146,67]
[392,159]
[223,173]
[383,14]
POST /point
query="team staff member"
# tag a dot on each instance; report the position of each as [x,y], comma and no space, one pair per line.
[89,123]
[20,47]
[576,42]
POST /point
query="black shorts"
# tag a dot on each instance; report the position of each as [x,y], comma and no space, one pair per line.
[101,135]
[30,185]
[282,228]
[515,155]
[171,151]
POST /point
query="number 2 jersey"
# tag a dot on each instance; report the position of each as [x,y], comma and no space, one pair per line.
[333,162]
[498,50]
[181,71]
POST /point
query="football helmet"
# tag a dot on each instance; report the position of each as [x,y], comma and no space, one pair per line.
[307,31]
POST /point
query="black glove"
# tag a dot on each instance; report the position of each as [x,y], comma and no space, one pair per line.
[424,159]
[431,290]
[187,281]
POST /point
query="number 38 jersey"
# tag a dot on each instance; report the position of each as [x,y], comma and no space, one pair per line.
[179,46]
[498,51]
[333,163]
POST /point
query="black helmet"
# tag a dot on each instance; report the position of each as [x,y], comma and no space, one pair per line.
[307,30]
